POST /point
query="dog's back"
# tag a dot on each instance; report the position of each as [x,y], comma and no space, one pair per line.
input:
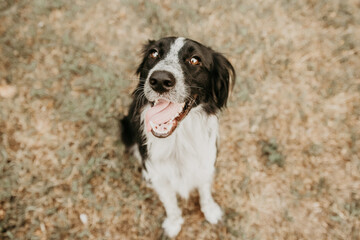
[127,132]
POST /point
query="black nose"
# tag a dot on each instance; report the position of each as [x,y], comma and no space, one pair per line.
[162,81]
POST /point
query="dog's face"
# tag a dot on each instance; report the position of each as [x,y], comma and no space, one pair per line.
[177,74]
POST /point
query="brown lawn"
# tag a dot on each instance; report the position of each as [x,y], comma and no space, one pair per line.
[289,162]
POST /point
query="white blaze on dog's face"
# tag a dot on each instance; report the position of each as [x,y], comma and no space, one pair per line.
[177,74]
[171,64]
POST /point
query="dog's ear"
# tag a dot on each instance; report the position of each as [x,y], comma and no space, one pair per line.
[145,51]
[223,79]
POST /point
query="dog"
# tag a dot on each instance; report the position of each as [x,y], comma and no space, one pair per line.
[172,123]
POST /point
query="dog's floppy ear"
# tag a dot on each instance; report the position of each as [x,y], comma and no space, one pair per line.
[144,52]
[223,79]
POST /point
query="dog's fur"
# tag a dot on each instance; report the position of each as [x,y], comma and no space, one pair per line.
[184,160]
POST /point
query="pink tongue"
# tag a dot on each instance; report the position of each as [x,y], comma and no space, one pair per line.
[162,112]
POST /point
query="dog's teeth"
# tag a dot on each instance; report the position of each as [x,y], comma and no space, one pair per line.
[152,125]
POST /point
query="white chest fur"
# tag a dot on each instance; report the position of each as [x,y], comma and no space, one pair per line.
[184,160]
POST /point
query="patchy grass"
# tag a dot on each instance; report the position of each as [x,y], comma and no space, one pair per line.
[272,154]
[66,74]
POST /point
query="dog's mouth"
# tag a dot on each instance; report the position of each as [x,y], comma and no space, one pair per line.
[164,116]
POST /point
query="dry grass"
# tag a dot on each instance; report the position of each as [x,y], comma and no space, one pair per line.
[289,166]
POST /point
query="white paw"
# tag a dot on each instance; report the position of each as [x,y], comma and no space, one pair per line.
[172,226]
[212,212]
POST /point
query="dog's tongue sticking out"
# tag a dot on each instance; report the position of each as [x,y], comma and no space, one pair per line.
[160,118]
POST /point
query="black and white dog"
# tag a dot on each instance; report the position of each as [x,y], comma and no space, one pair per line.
[172,125]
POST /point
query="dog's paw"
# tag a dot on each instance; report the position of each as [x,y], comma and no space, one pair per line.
[212,212]
[172,226]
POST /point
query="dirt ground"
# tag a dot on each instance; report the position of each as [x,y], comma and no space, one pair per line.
[289,162]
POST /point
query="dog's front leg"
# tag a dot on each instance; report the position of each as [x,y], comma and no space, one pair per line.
[172,223]
[209,207]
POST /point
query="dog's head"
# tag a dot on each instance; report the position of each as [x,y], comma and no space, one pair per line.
[177,74]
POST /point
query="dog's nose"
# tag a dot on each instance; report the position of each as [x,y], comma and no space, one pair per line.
[162,81]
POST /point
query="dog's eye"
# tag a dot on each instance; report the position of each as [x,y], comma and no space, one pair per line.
[195,61]
[154,54]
